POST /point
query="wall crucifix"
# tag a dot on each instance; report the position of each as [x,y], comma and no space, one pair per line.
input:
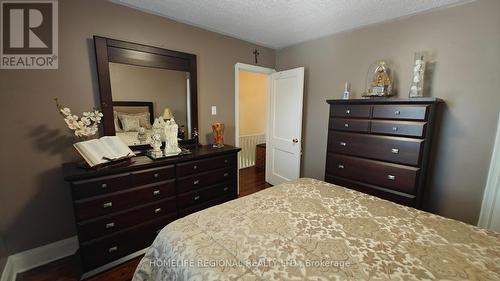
[256,54]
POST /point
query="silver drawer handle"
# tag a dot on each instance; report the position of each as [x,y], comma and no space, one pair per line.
[156,192]
[107,205]
[397,112]
[156,175]
[104,185]
[341,166]
[226,188]
[110,225]
[157,210]
[226,174]
[391,177]
[225,161]
[196,182]
[395,129]
[197,197]
[348,111]
[195,167]
[343,143]
[113,249]
[395,150]
[346,125]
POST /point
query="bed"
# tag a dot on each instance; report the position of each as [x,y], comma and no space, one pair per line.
[312,230]
[133,108]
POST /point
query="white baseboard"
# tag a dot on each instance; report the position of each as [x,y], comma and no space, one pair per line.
[8,271]
[36,257]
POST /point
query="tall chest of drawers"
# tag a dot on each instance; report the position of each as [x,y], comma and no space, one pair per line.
[119,211]
[381,146]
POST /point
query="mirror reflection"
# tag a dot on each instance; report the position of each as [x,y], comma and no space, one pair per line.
[140,94]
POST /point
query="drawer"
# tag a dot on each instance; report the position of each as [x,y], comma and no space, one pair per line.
[105,205]
[198,181]
[396,177]
[354,125]
[208,204]
[399,128]
[193,167]
[403,199]
[406,112]
[99,186]
[121,244]
[153,175]
[201,196]
[104,226]
[392,149]
[356,111]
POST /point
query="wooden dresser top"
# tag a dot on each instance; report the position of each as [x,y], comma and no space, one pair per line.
[72,171]
[385,101]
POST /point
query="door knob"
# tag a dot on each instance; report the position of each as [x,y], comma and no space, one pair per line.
[295,140]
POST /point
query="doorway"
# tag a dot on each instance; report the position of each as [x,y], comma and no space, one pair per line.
[268,125]
[251,106]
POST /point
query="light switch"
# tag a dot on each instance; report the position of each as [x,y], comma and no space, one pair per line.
[214,110]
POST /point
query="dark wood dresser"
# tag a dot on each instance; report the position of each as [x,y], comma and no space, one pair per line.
[381,146]
[119,211]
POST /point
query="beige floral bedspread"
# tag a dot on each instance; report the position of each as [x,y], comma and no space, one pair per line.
[311,230]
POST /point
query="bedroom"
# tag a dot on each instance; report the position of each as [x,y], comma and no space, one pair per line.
[38,224]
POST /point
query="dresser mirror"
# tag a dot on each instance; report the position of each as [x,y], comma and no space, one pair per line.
[139,83]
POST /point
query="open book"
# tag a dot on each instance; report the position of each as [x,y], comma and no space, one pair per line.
[103,150]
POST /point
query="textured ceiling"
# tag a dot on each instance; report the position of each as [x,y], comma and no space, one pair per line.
[281,23]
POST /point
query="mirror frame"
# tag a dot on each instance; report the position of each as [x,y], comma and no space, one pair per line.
[110,50]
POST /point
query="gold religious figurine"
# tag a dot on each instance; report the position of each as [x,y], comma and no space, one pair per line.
[381,83]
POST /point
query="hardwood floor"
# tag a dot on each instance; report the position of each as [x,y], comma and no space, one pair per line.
[67,269]
[252,180]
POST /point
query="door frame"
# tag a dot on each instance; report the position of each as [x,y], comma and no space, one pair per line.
[492,188]
[249,68]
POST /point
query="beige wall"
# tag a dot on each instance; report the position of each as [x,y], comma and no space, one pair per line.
[164,87]
[465,42]
[35,204]
[253,105]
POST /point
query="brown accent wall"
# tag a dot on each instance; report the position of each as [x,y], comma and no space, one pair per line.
[465,43]
[35,204]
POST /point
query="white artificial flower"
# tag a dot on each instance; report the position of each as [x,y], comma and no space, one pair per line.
[85,121]
[86,126]
[66,111]
[72,117]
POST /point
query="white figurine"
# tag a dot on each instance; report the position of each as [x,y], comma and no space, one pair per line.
[171,143]
[159,127]
[156,145]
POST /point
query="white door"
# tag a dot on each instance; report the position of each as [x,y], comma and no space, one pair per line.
[495,215]
[284,135]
